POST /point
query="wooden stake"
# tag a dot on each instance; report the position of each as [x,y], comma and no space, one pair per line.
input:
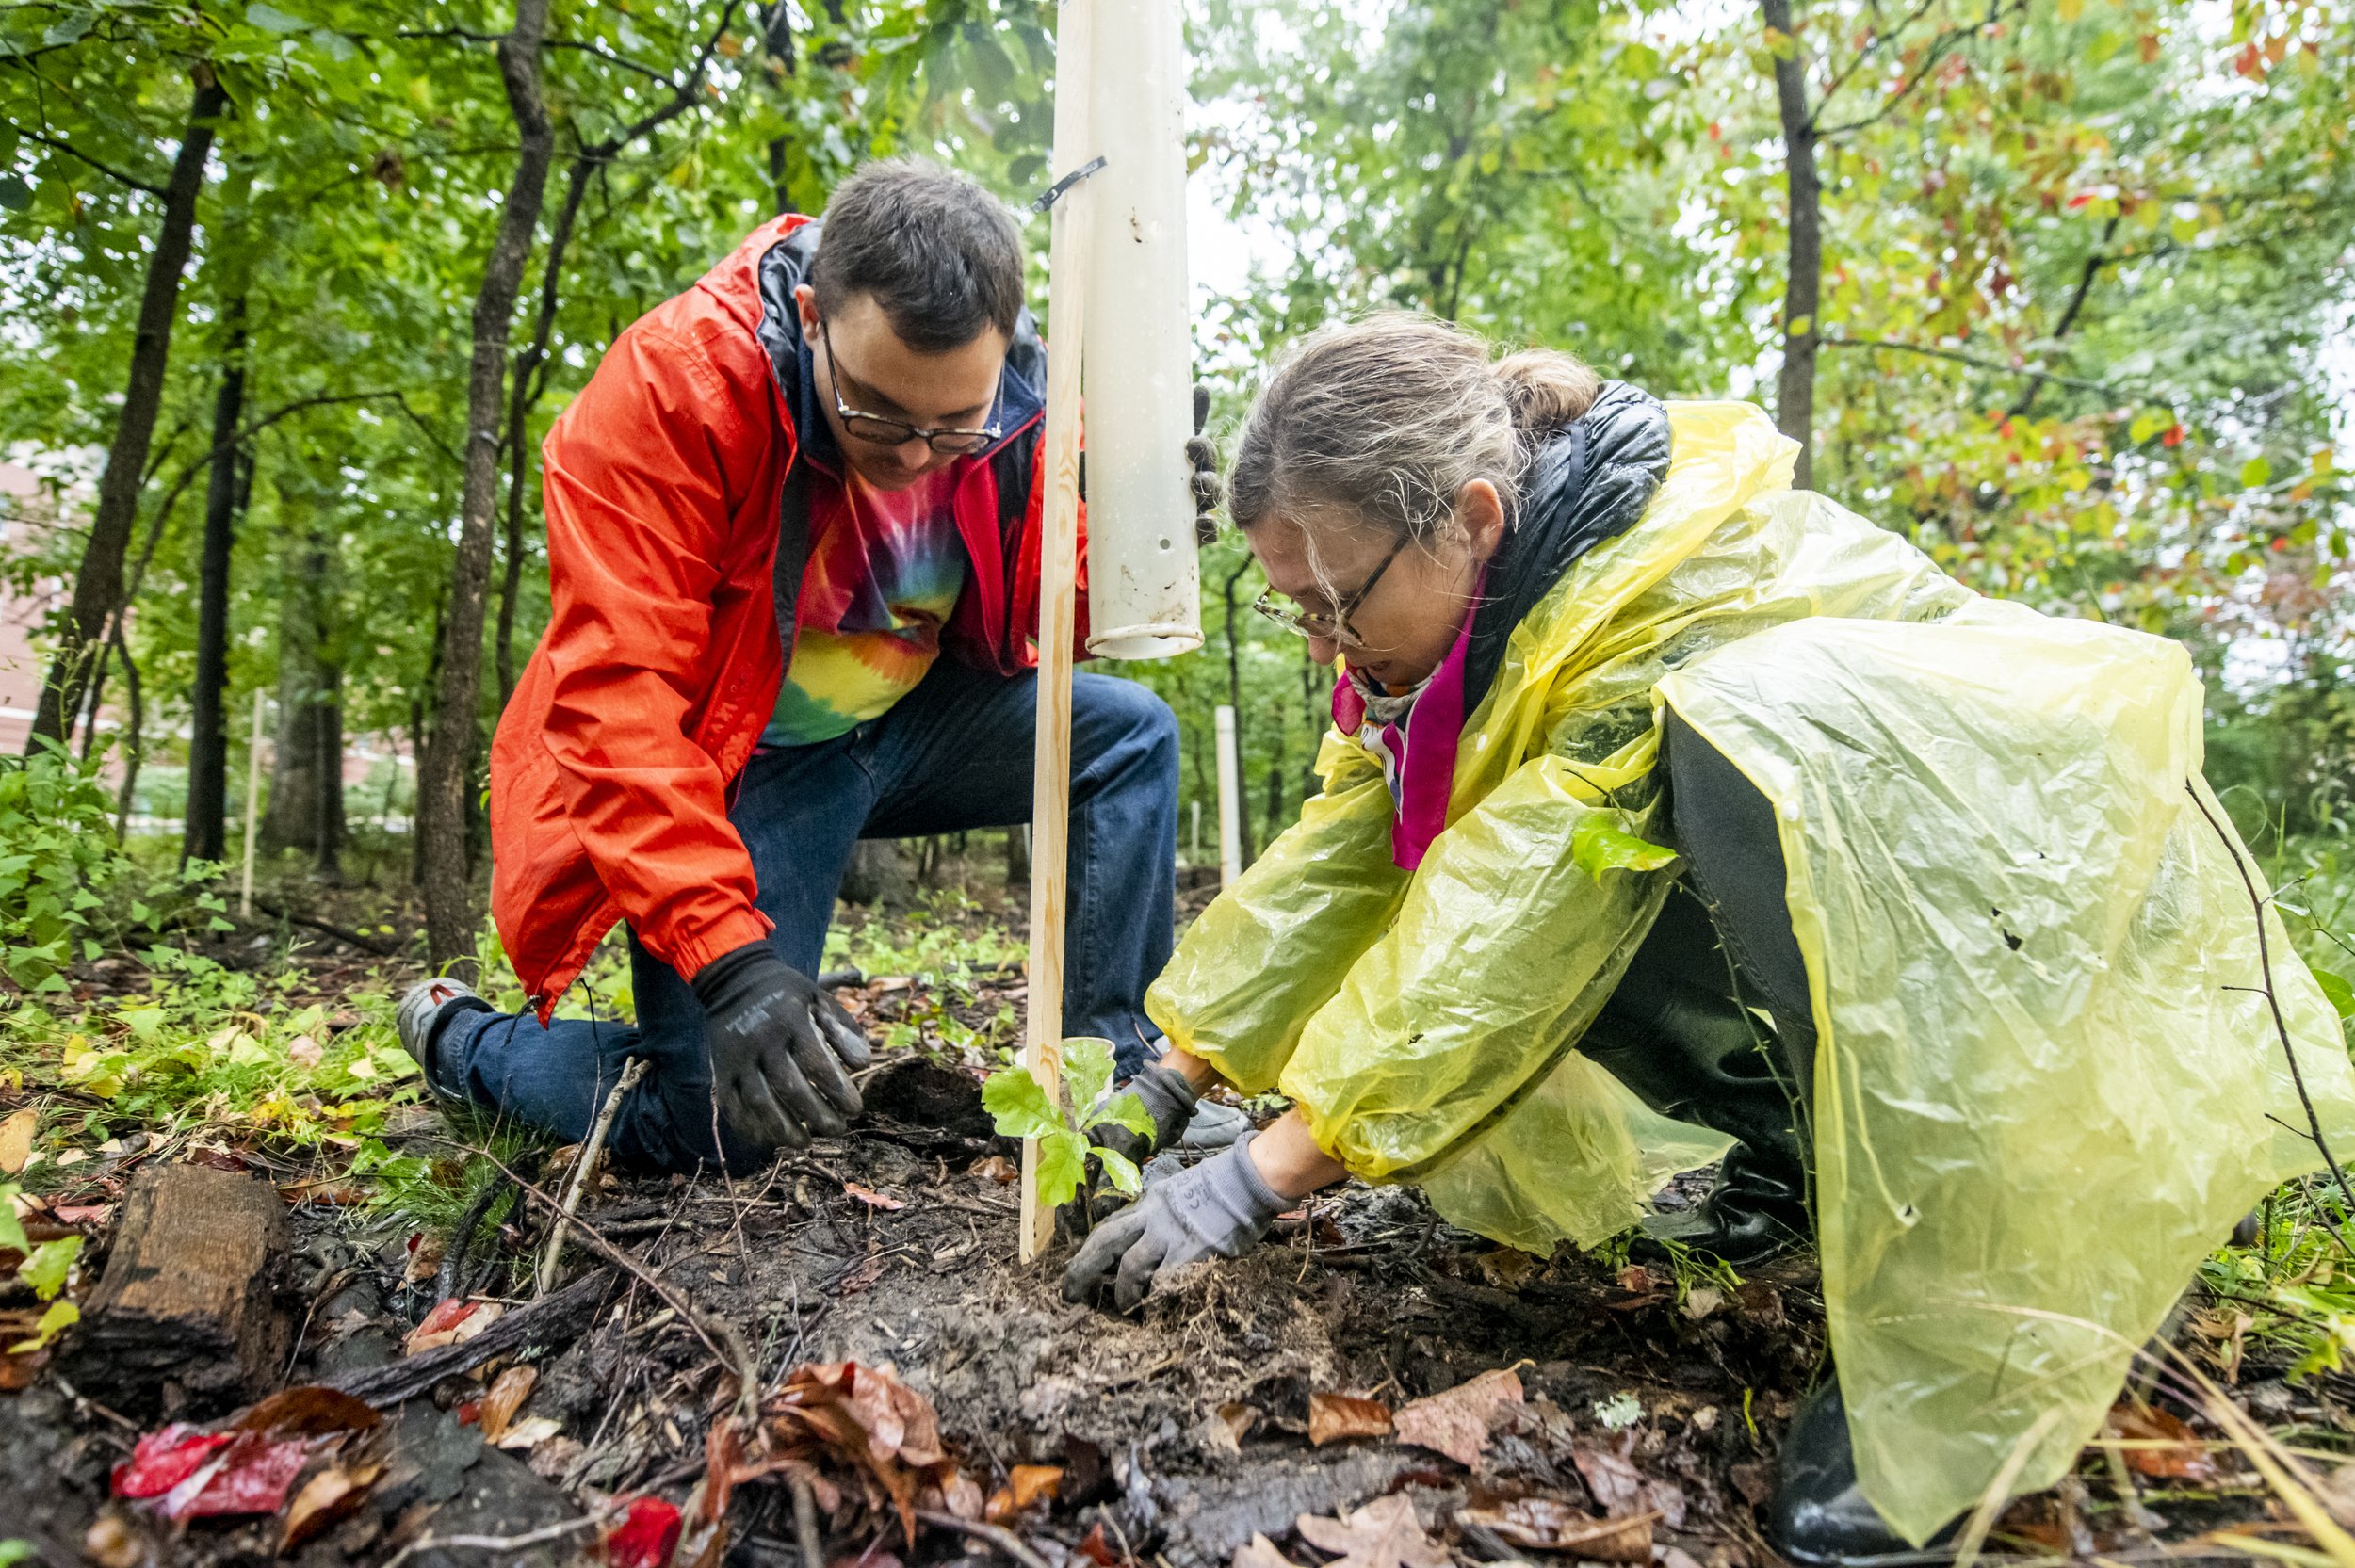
[252,799]
[1229,801]
[1059,565]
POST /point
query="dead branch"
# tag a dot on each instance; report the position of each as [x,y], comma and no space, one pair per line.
[2281,1025]
[991,1535]
[585,1168]
[550,1318]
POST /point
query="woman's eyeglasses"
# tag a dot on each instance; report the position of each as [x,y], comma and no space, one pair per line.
[897,433]
[1308,623]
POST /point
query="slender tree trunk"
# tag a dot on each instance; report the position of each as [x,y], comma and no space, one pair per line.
[442,788]
[204,835]
[777,37]
[98,583]
[134,739]
[1795,389]
[305,809]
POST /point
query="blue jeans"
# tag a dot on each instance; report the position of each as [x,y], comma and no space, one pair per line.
[954,754]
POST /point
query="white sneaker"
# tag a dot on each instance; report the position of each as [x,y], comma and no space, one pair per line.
[419,1009]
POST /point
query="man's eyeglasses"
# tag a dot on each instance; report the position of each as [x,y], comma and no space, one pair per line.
[897,433]
[1308,623]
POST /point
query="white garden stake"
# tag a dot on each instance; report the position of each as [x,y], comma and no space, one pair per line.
[1229,801]
[1058,611]
[252,798]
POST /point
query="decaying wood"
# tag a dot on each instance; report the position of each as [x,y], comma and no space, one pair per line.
[191,1292]
[550,1320]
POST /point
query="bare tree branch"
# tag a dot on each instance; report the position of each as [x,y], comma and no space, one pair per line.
[2094,264]
[1974,361]
[1940,47]
[61,145]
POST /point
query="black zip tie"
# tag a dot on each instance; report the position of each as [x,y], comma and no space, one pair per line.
[1056,190]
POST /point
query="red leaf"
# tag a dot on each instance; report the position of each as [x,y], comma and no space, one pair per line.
[645,1537]
[255,1476]
[163,1459]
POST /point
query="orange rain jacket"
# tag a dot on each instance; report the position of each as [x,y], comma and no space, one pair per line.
[671,482]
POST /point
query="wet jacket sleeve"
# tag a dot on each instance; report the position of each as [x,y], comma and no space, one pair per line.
[642,471]
[1500,956]
[1272,950]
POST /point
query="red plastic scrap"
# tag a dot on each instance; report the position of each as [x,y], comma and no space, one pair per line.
[647,1536]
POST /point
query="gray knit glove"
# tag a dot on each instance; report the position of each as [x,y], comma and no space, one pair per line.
[1219,1208]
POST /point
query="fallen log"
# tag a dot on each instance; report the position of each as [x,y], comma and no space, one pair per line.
[550,1320]
[190,1296]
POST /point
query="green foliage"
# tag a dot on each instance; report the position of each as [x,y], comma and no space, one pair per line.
[44,1268]
[1599,844]
[1018,1104]
[67,889]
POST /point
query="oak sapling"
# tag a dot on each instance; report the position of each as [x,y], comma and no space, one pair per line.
[1020,1105]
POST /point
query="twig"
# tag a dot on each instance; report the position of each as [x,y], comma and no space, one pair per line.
[585,1168]
[992,1535]
[811,1545]
[489,1543]
[732,1354]
[2281,1025]
[326,928]
[570,1311]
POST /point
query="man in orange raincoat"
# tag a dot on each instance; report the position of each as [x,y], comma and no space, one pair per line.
[793,555]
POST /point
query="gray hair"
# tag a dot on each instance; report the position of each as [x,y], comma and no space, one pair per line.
[1381,424]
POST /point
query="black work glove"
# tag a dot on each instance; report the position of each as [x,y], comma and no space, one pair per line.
[1219,1208]
[779,1049]
[1209,487]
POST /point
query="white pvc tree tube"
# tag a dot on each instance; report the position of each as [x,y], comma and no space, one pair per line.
[1144,598]
[1229,800]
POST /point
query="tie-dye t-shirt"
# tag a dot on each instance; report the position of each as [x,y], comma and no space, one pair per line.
[874,597]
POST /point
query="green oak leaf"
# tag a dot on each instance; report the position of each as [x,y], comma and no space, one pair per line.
[1017,1103]
[46,1269]
[1598,844]
[1120,1171]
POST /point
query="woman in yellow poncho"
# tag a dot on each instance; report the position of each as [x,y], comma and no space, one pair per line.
[1666,808]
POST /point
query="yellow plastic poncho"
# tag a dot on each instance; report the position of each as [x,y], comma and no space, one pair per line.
[2038,1103]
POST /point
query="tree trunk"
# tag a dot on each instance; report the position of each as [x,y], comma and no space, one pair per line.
[134,739]
[777,39]
[1795,389]
[98,583]
[1234,699]
[305,809]
[204,835]
[448,768]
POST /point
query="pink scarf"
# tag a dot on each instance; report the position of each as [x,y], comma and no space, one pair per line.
[1418,753]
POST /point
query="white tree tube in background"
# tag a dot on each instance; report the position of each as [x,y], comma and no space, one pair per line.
[1143,587]
[1229,801]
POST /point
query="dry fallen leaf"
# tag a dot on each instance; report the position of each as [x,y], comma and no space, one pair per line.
[2157,1443]
[1456,1422]
[451,1322]
[1031,1483]
[1259,1552]
[506,1398]
[1383,1534]
[528,1433]
[1624,1491]
[1552,1525]
[1333,1417]
[326,1498]
[999,1169]
[872,1198]
[16,1141]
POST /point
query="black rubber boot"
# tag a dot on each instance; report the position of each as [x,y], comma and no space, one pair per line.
[1677,1033]
[1821,1517]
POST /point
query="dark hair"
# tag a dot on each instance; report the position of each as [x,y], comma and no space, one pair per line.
[1381,423]
[940,254]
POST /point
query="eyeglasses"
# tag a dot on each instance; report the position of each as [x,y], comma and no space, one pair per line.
[1308,623]
[897,433]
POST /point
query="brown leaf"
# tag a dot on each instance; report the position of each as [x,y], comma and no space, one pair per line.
[326,1498]
[452,1321]
[872,1198]
[506,1398]
[309,1411]
[1624,1491]
[1552,1525]
[16,1141]
[999,1169]
[1259,1552]
[1031,1483]
[863,1419]
[2157,1443]
[1456,1422]
[1383,1534]
[1335,1416]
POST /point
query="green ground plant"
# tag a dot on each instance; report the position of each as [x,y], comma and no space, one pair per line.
[1022,1108]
